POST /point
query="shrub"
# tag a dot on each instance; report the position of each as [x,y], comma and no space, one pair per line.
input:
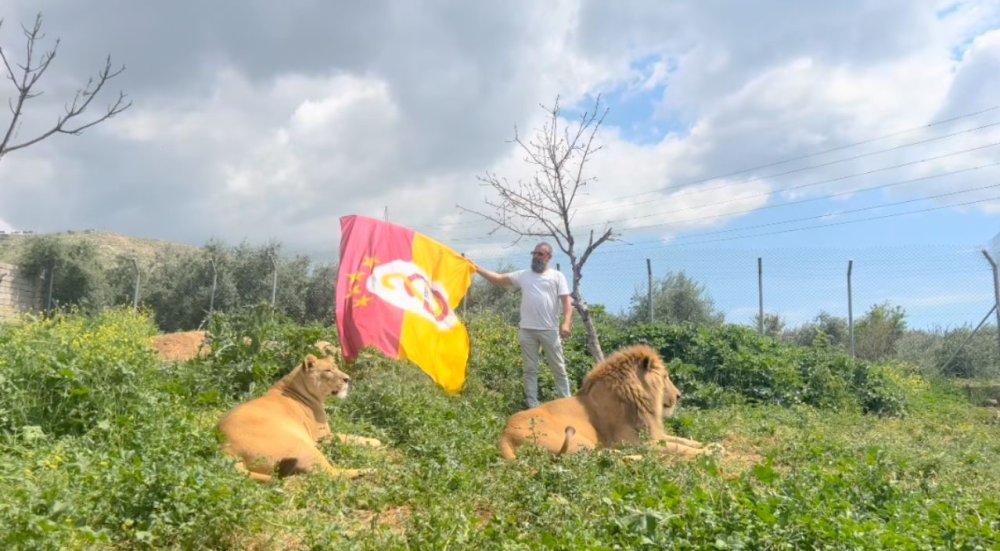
[156,480]
[794,477]
[733,364]
[252,347]
[967,356]
[67,374]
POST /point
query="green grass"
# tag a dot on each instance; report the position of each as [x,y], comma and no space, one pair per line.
[132,462]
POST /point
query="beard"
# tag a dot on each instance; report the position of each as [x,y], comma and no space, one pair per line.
[537,265]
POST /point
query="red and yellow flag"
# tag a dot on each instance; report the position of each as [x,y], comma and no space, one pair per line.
[397,291]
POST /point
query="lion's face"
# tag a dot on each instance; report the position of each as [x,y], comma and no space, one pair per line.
[323,378]
[671,395]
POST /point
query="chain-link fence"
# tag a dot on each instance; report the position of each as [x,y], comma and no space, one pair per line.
[937,287]
[935,290]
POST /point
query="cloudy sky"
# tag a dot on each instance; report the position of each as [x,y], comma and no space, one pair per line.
[736,129]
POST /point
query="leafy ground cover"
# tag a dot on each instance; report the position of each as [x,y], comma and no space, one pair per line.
[102,446]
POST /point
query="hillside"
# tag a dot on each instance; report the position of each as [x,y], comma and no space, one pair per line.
[109,246]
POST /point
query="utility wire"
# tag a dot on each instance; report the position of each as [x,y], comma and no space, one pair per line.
[783,190]
[821,182]
[631,248]
[787,172]
[839,213]
[843,222]
[818,153]
[831,196]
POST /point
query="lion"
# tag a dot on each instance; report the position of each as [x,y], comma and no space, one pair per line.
[622,400]
[182,346]
[279,430]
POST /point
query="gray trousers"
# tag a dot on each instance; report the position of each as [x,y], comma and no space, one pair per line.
[533,340]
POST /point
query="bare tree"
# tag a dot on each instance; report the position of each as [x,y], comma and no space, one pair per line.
[543,206]
[24,76]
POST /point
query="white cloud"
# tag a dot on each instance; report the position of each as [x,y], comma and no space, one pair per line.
[271,123]
[936,301]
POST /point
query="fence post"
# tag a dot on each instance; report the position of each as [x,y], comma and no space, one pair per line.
[965,342]
[135,294]
[274,283]
[850,307]
[649,287]
[215,280]
[760,295]
[465,300]
[48,300]
[996,294]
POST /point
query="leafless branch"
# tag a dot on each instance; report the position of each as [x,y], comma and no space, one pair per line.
[543,205]
[25,76]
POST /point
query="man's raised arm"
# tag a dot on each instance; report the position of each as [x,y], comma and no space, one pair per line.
[502,280]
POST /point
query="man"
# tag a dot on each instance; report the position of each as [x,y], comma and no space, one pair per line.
[543,291]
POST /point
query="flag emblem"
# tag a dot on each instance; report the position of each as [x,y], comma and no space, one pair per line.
[397,291]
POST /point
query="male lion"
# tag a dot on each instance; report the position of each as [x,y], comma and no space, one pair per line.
[279,430]
[622,398]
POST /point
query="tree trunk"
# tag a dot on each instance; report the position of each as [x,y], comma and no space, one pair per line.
[593,342]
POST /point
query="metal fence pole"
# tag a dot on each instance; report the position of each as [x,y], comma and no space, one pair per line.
[135,294]
[760,295]
[966,341]
[996,295]
[850,307]
[649,287]
[215,280]
[274,283]
[465,300]
[52,277]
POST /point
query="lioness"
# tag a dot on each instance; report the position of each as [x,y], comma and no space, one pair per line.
[279,430]
[622,398]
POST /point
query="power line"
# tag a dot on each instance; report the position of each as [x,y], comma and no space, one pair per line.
[786,189]
[825,151]
[827,181]
[807,200]
[796,170]
[844,222]
[814,167]
[850,211]
[771,176]
[631,247]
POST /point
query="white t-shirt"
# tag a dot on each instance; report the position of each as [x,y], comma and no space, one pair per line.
[540,304]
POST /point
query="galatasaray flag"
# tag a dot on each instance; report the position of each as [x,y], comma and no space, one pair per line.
[396,291]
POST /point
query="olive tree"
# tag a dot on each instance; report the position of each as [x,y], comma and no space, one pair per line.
[677,298]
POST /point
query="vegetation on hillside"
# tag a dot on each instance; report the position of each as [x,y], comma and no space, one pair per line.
[102,446]
[95,271]
[179,285]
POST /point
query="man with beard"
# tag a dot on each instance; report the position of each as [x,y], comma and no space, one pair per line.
[543,291]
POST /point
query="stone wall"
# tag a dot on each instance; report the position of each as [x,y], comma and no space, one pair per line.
[18,294]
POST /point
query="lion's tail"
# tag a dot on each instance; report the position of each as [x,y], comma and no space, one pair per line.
[506,448]
[259,477]
[506,444]
[570,432]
